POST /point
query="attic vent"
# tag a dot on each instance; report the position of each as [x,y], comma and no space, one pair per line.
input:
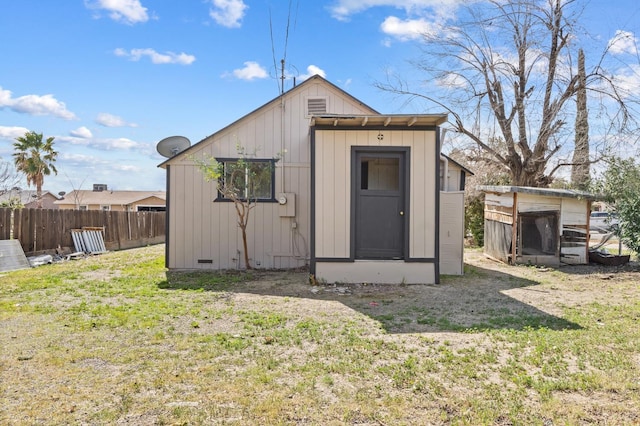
[316,106]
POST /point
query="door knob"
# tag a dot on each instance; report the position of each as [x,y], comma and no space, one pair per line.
[401,213]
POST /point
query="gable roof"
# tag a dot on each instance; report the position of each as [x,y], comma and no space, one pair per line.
[25,196]
[451,160]
[314,79]
[109,197]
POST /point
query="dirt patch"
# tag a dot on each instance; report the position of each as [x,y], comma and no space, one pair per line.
[488,290]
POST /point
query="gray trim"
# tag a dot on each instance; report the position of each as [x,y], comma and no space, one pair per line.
[335,259]
[421,260]
[349,260]
[166,218]
[390,127]
[312,213]
[220,198]
[436,180]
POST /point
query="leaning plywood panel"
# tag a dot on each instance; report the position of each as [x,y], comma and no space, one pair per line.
[12,256]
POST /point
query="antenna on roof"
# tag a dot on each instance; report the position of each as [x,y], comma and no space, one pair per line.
[282,77]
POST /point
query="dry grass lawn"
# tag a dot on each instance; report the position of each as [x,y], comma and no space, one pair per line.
[115,339]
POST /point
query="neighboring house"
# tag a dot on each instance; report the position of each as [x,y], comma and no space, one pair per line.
[101,198]
[29,198]
[355,195]
[537,225]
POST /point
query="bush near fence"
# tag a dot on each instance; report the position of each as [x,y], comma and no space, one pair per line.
[44,230]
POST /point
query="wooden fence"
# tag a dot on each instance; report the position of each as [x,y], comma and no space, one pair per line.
[44,230]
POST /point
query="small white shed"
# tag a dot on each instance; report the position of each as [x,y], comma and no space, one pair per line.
[536,225]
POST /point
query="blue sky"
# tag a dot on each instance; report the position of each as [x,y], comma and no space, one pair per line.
[110,78]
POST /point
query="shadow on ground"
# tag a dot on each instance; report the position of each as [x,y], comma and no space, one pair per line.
[473,302]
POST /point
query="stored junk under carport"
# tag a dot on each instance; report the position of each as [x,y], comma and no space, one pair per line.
[536,225]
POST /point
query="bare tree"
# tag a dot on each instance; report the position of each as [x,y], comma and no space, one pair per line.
[507,74]
[580,176]
[9,177]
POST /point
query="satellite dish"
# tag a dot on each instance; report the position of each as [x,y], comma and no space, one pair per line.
[173,145]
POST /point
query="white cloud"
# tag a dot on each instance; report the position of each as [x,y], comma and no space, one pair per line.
[127,11]
[35,105]
[311,71]
[156,57]
[408,29]
[119,143]
[126,168]
[251,71]
[228,13]
[624,42]
[343,9]
[81,132]
[106,144]
[75,159]
[12,132]
[452,80]
[628,81]
[109,120]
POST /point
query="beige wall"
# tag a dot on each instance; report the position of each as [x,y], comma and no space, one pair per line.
[452,233]
[333,188]
[202,229]
[376,271]
[149,201]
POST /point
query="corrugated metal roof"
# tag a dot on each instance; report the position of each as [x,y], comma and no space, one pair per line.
[547,192]
[378,120]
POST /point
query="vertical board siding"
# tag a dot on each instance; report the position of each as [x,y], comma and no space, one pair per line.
[5,224]
[333,188]
[451,233]
[202,229]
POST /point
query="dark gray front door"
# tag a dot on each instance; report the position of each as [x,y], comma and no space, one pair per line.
[379,189]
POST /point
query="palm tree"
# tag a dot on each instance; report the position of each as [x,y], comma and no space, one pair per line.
[35,159]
